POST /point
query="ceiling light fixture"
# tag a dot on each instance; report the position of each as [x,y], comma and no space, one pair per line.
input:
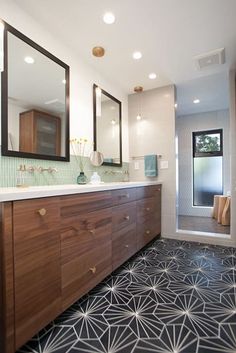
[139,90]
[176,105]
[64,81]
[29,60]
[109,18]
[113,122]
[137,55]
[196,101]
[98,51]
[152,76]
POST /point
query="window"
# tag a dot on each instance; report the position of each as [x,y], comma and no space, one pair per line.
[207,166]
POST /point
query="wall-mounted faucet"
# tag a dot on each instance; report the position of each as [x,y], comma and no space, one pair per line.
[31,169]
[49,170]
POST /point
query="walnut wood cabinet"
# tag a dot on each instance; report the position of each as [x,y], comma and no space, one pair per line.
[55,249]
[40,133]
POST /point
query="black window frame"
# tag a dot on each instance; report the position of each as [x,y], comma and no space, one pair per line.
[207,154]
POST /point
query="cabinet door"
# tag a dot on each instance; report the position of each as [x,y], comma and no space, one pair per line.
[124,239]
[36,265]
[47,135]
[148,216]
[124,245]
[85,252]
[148,231]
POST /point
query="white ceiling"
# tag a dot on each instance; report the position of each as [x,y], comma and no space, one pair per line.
[212,91]
[169,33]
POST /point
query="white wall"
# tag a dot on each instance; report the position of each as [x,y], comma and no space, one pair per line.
[82,76]
[185,125]
[108,141]
[156,134]
[232,110]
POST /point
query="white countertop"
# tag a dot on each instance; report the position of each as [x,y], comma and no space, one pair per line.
[33,192]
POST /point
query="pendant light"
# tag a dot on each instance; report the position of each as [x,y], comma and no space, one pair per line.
[139,90]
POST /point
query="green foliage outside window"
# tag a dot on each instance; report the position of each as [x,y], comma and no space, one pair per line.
[208,143]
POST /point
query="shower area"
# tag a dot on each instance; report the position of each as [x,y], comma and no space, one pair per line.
[202,130]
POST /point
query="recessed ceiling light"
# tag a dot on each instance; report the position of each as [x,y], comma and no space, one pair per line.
[64,81]
[109,18]
[138,117]
[152,76]
[176,105]
[29,60]
[196,101]
[137,55]
[113,122]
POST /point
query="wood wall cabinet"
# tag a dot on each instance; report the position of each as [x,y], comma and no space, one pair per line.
[55,249]
[40,133]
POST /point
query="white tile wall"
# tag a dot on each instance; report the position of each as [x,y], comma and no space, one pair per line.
[155,133]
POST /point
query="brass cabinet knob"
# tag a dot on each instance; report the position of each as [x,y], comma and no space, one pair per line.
[126,218]
[125,195]
[147,209]
[148,232]
[92,231]
[42,211]
[93,269]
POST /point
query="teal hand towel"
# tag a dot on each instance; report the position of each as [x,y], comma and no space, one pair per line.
[150,165]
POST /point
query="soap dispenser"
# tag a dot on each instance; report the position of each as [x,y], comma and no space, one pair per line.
[95,178]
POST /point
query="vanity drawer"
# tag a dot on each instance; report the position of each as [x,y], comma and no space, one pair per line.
[124,245]
[123,216]
[149,191]
[147,231]
[84,272]
[147,209]
[35,216]
[84,203]
[122,196]
[81,233]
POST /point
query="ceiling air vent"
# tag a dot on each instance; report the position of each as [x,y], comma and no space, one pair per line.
[214,57]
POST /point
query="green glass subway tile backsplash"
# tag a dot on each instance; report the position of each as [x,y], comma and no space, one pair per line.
[66,172]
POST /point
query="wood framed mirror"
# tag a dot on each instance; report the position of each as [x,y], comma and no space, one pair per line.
[35,100]
[107,126]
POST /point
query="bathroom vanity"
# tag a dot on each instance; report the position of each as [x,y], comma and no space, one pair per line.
[58,242]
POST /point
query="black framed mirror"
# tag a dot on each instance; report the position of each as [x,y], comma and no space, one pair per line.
[107,126]
[35,100]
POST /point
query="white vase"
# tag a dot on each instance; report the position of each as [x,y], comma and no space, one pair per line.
[95,178]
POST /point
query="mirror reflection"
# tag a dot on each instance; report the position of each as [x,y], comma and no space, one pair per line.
[107,126]
[35,104]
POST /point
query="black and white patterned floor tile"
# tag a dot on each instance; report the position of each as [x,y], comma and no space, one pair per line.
[172,297]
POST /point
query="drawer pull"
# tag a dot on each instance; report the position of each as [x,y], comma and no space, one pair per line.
[126,218]
[93,270]
[92,231]
[148,232]
[147,209]
[125,195]
[42,211]
[126,246]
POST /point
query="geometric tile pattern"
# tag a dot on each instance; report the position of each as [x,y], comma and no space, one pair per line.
[171,297]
